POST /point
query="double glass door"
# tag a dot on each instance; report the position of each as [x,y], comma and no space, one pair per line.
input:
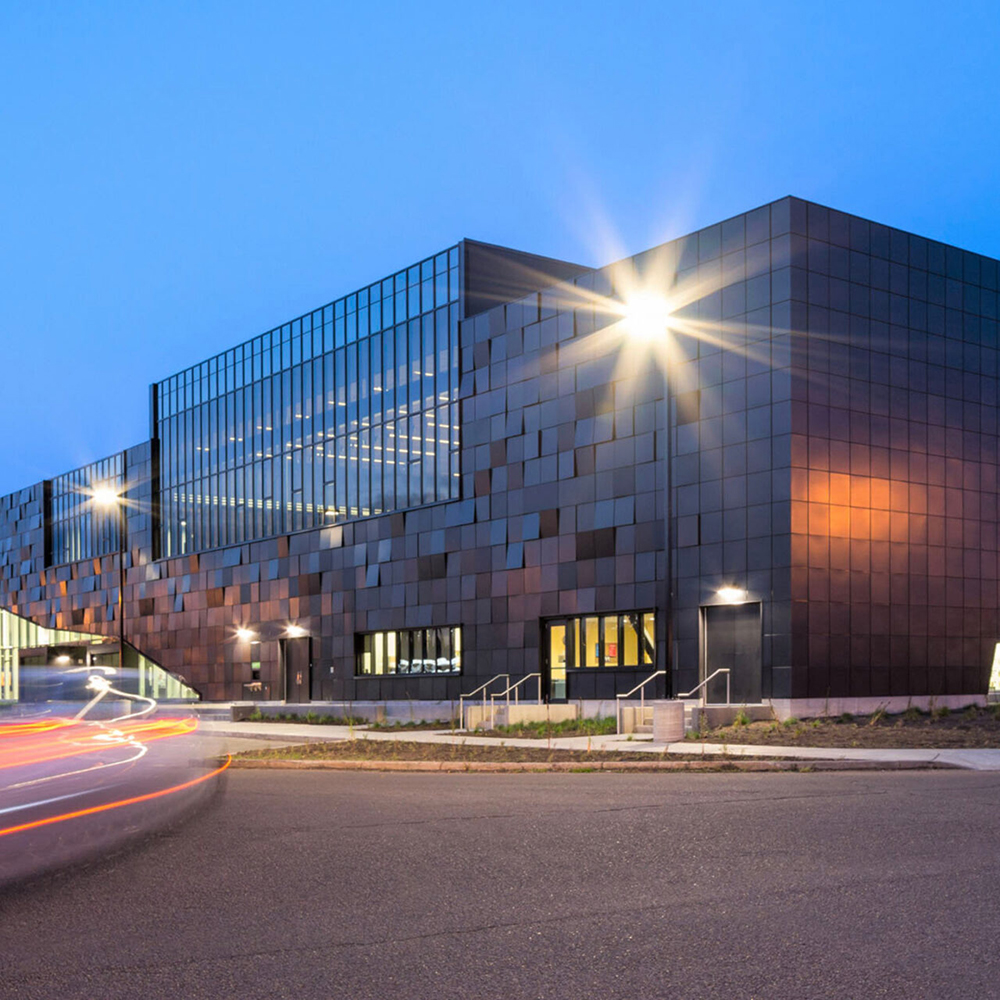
[620,640]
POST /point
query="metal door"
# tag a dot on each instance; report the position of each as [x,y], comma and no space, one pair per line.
[296,657]
[731,636]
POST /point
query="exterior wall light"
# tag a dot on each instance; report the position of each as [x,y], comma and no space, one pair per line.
[295,631]
[732,595]
[109,499]
[647,315]
[245,634]
[105,496]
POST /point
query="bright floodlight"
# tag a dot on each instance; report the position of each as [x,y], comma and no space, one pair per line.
[732,595]
[105,496]
[295,631]
[244,634]
[647,315]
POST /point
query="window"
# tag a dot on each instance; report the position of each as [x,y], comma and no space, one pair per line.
[414,651]
[81,527]
[624,639]
[342,414]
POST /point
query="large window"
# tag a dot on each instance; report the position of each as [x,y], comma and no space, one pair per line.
[17,634]
[349,411]
[413,651]
[626,639]
[81,528]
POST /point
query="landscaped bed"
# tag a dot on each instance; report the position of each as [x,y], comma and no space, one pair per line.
[604,726]
[357,721]
[973,728]
[400,750]
[523,730]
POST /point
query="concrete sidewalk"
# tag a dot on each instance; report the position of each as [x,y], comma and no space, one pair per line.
[290,733]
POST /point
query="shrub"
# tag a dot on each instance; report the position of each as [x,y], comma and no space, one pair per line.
[877,716]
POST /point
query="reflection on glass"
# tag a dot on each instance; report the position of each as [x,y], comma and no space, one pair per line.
[332,383]
[649,638]
[413,651]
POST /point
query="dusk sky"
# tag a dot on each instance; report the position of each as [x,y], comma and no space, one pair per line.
[179,177]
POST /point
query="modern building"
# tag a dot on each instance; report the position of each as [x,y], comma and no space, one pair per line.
[768,447]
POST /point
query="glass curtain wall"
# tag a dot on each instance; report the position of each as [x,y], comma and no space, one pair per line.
[81,529]
[349,411]
[17,634]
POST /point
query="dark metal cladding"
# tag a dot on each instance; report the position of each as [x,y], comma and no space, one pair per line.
[833,480]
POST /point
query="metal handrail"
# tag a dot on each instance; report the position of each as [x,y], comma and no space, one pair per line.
[506,693]
[701,686]
[471,694]
[642,699]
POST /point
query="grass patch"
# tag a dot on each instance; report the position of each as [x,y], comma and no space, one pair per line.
[970,728]
[391,727]
[312,718]
[604,726]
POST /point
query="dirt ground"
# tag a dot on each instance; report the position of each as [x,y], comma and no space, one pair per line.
[969,729]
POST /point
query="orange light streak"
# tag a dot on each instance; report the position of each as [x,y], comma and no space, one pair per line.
[37,745]
[34,824]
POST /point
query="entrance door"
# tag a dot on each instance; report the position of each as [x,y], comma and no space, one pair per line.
[732,638]
[554,660]
[296,656]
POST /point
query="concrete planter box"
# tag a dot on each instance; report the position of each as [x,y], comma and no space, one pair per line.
[476,717]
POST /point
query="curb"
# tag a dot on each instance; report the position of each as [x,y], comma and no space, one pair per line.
[457,766]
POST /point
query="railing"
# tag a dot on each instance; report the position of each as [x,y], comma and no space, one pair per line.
[701,686]
[641,688]
[513,687]
[472,694]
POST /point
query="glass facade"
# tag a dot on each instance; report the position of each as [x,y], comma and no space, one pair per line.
[413,651]
[618,640]
[81,528]
[143,676]
[349,411]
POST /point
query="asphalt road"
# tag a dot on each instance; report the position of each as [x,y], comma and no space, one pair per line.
[366,885]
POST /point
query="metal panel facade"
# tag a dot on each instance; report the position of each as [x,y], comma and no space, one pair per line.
[833,459]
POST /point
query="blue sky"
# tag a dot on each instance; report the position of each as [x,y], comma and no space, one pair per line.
[178,177]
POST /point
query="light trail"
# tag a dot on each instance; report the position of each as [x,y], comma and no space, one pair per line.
[46,802]
[141,752]
[73,739]
[135,800]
